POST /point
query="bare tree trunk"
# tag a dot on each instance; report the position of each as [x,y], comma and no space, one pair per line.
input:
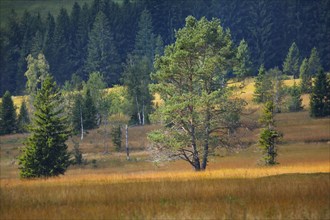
[127,149]
[81,124]
[138,110]
[143,121]
[106,146]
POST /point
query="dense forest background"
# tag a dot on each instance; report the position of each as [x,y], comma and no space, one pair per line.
[101,35]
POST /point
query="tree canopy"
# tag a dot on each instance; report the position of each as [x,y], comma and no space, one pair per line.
[191,79]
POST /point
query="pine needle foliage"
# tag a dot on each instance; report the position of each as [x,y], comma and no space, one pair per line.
[269,135]
[320,96]
[45,153]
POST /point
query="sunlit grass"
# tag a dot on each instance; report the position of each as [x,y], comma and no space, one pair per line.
[225,194]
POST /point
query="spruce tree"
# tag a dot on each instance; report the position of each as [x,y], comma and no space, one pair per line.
[263,85]
[295,102]
[45,153]
[116,137]
[23,118]
[291,63]
[305,76]
[269,135]
[8,115]
[244,66]
[314,63]
[102,52]
[320,96]
[89,111]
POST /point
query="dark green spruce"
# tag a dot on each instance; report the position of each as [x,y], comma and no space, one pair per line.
[45,153]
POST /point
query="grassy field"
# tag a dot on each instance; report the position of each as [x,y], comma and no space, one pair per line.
[235,185]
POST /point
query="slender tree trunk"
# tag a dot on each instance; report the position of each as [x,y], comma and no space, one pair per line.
[81,124]
[143,120]
[127,149]
[138,110]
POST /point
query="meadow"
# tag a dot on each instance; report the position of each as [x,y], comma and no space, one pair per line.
[235,185]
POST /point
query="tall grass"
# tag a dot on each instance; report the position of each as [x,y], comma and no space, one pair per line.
[182,196]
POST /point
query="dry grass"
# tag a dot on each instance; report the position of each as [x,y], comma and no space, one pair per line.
[181,196]
[233,187]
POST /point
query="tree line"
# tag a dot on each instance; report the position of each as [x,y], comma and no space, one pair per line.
[103,36]
[192,76]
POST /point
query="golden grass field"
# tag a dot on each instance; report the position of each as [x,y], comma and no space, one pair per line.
[234,186]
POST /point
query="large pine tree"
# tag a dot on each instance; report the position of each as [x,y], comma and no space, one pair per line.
[46,153]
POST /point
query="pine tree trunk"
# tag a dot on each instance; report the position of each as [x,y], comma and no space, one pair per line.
[206,140]
[196,161]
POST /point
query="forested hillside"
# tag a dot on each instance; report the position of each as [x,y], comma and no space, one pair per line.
[100,36]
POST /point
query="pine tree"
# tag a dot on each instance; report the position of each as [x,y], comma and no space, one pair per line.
[23,118]
[269,135]
[77,113]
[60,64]
[244,66]
[263,85]
[116,137]
[145,39]
[314,63]
[291,63]
[320,96]
[102,52]
[295,102]
[8,115]
[306,78]
[89,111]
[45,153]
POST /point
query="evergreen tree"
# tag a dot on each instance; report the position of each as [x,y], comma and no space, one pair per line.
[306,78]
[89,112]
[191,79]
[23,118]
[46,153]
[8,115]
[314,63]
[244,66]
[260,29]
[269,135]
[60,64]
[116,137]
[102,52]
[48,46]
[291,63]
[276,91]
[320,96]
[295,102]
[159,46]
[78,113]
[145,39]
[263,85]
